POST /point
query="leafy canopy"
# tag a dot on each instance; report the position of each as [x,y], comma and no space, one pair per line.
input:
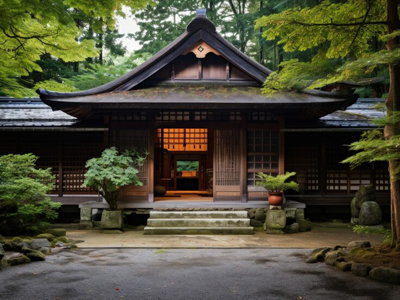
[24,191]
[31,28]
[337,31]
[112,171]
[276,183]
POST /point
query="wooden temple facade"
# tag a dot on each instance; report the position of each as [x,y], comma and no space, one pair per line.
[197,100]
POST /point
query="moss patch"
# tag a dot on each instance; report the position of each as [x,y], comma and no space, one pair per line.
[382,256]
[160,251]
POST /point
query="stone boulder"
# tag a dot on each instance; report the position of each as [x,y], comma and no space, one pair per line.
[365,193]
[260,215]
[47,236]
[300,214]
[319,253]
[361,270]
[293,228]
[344,266]
[275,219]
[40,244]
[385,274]
[35,255]
[112,219]
[18,260]
[304,225]
[370,214]
[290,213]
[359,244]
[333,257]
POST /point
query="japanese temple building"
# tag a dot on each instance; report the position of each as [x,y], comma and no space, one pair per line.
[197,100]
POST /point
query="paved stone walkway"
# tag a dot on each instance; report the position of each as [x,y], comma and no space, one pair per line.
[318,237]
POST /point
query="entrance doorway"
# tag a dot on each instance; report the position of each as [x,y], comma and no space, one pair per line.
[183,164]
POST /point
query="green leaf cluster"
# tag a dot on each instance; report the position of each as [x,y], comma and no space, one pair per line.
[24,191]
[276,183]
[112,171]
[386,233]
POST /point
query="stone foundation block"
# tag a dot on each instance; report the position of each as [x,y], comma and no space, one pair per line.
[276,219]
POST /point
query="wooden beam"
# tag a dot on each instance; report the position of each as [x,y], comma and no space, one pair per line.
[60,169]
[151,142]
[243,163]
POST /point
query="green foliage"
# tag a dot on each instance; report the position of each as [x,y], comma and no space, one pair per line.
[339,32]
[31,28]
[387,233]
[24,187]
[276,183]
[187,166]
[112,171]
[373,146]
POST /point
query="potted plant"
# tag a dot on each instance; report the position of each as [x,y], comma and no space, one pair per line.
[276,186]
[108,174]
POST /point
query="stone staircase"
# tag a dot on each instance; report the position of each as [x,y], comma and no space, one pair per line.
[198,222]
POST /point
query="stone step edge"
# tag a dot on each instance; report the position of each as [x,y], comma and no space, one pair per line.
[210,223]
[198,214]
[247,230]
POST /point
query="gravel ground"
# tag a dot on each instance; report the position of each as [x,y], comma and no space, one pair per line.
[185,274]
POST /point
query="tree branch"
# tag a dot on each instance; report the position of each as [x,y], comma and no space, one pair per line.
[339,24]
[363,22]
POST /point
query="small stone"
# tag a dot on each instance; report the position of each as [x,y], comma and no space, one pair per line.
[18,260]
[252,213]
[47,236]
[256,223]
[359,244]
[311,260]
[320,255]
[57,231]
[290,213]
[385,274]
[337,247]
[304,225]
[370,214]
[293,228]
[260,215]
[59,244]
[343,266]
[332,257]
[45,250]
[359,269]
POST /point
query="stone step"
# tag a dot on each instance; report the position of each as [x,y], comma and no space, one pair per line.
[198,230]
[213,222]
[198,214]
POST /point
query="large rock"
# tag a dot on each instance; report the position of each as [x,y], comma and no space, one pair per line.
[355,211]
[18,260]
[344,266]
[57,231]
[319,253]
[276,219]
[252,213]
[38,244]
[370,214]
[293,228]
[359,269]
[300,214]
[365,193]
[385,274]
[333,257]
[47,236]
[35,255]
[112,219]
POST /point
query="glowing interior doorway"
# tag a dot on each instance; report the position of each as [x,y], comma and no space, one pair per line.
[182,139]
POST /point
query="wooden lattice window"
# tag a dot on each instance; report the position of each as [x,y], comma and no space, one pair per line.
[262,153]
[262,116]
[173,116]
[382,179]
[227,157]
[129,117]
[183,139]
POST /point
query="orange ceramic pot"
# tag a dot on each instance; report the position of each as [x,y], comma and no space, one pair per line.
[275,198]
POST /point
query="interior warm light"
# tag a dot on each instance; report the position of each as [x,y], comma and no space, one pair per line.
[182,139]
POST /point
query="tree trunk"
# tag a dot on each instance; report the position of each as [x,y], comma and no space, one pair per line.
[393,105]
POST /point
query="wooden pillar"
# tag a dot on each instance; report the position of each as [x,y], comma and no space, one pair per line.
[243,163]
[151,133]
[107,133]
[60,169]
[322,169]
[281,145]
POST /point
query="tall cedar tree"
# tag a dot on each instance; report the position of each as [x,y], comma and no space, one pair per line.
[343,30]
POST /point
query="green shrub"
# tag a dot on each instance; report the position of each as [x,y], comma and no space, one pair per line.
[112,171]
[24,192]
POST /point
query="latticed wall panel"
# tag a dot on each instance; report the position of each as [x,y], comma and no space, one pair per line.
[227,163]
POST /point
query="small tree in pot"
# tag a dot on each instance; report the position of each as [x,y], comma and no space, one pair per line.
[108,174]
[276,185]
